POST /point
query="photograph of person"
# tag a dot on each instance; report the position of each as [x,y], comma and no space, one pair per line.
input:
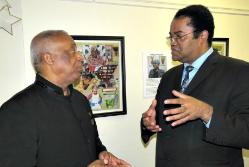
[155,71]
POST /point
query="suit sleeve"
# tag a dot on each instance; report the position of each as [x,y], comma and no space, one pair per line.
[231,127]
[17,137]
[145,133]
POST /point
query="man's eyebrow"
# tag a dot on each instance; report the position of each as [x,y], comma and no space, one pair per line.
[177,32]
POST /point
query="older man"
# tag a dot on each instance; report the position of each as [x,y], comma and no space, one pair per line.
[49,124]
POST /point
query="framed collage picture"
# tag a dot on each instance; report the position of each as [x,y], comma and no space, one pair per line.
[103,77]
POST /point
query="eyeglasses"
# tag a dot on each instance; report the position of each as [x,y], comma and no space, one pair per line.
[177,37]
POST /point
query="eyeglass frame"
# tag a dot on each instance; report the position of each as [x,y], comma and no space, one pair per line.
[176,37]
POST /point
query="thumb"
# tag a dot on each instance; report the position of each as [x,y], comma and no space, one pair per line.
[152,106]
[154,102]
[151,109]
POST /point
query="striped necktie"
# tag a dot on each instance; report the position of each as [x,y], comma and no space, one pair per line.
[185,80]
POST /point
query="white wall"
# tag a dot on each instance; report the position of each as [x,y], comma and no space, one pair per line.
[12,71]
[144,29]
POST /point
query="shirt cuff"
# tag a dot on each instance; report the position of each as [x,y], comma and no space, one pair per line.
[208,123]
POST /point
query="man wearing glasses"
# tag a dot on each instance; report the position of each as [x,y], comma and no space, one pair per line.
[201,110]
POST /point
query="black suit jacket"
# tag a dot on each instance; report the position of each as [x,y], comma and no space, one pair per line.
[222,82]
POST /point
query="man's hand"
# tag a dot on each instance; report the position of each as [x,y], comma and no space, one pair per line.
[191,109]
[149,118]
[111,161]
[97,163]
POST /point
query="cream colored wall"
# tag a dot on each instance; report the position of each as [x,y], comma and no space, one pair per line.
[144,29]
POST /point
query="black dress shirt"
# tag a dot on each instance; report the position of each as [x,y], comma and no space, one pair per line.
[41,127]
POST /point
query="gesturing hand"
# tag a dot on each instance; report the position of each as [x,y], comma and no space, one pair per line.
[191,109]
[112,161]
[100,163]
[149,118]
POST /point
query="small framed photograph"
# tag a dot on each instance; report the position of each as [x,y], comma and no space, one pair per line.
[103,77]
[221,45]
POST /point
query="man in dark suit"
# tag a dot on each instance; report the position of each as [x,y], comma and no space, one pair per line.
[201,110]
[50,124]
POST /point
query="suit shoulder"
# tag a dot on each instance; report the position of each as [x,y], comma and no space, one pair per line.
[175,68]
[234,63]
[172,71]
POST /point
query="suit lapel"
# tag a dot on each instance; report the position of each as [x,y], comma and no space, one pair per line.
[178,79]
[207,67]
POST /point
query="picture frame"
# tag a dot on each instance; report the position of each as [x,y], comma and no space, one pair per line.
[221,45]
[103,76]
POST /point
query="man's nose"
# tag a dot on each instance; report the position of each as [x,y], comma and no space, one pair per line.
[80,57]
[173,41]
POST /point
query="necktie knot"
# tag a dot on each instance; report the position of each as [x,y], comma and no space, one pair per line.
[188,69]
[185,80]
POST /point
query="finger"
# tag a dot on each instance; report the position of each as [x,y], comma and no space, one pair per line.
[105,161]
[152,108]
[173,101]
[105,157]
[145,114]
[181,121]
[149,121]
[174,111]
[178,94]
[113,160]
[101,157]
[124,163]
[176,116]
[149,124]
[154,128]
[153,105]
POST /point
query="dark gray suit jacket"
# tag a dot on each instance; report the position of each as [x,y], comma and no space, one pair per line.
[222,82]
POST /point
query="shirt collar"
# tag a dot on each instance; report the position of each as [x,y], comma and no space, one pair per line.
[39,80]
[198,62]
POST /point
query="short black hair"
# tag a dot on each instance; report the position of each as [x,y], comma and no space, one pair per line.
[201,19]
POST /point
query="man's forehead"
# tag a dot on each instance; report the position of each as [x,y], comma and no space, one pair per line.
[179,25]
[65,42]
[182,21]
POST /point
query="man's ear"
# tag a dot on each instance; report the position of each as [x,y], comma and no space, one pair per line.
[48,58]
[204,34]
